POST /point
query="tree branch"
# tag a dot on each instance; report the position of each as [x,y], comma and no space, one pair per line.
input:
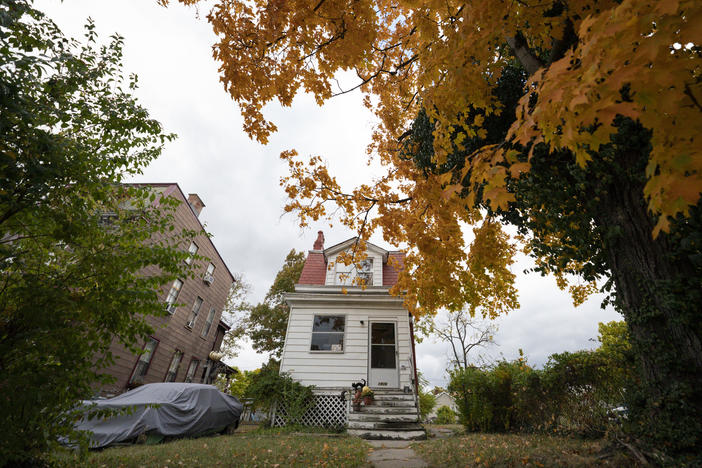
[529,61]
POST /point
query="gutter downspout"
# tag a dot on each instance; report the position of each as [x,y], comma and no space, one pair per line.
[414,363]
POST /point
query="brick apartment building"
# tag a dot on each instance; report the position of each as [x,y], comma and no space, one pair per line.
[180,346]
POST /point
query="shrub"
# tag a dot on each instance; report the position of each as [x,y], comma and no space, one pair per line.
[445,415]
[427,402]
[269,387]
[489,399]
[574,392]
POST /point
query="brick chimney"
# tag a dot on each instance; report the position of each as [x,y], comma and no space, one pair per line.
[319,243]
[195,203]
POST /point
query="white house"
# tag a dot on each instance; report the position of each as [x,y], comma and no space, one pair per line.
[340,332]
[442,399]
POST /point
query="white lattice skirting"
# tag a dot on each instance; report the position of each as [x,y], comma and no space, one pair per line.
[329,410]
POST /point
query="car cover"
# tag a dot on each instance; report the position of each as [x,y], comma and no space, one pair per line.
[165,409]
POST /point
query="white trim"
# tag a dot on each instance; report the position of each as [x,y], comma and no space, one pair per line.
[348,243]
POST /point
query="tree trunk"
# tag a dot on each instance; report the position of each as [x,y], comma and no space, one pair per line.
[657,291]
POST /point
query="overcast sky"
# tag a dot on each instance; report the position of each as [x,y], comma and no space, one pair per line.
[170,49]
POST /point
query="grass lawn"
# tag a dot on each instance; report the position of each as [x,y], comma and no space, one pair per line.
[247,449]
[512,450]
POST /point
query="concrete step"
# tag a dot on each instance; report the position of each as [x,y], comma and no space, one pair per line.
[389,391]
[374,409]
[393,426]
[394,397]
[374,417]
[386,403]
[381,434]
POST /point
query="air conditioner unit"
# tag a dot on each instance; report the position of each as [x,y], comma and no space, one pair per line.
[170,308]
[209,279]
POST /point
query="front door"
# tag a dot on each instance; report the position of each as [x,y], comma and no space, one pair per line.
[384,370]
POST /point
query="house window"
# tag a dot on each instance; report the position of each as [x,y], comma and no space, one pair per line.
[365,272]
[173,367]
[205,371]
[173,295]
[142,365]
[209,274]
[208,323]
[193,313]
[359,274]
[192,368]
[192,250]
[328,333]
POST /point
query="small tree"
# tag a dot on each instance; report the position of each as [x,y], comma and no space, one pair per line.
[464,335]
[445,415]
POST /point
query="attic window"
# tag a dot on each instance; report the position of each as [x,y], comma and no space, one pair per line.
[328,333]
[361,274]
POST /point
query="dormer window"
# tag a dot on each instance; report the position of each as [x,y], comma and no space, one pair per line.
[356,275]
[365,272]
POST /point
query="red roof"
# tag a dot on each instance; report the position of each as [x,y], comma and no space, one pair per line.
[314,272]
[315,269]
[390,274]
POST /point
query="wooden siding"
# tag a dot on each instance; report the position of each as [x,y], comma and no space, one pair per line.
[328,369]
[171,331]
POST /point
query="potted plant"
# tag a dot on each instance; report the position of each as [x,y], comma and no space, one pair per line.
[367,395]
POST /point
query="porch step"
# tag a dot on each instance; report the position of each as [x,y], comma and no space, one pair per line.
[375,417]
[394,397]
[377,409]
[388,403]
[389,391]
[382,434]
[392,426]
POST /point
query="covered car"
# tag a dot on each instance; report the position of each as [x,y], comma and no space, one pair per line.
[162,409]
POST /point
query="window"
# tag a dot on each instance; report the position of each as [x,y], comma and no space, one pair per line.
[206,372]
[209,274]
[365,272]
[173,367]
[193,313]
[362,273]
[192,368]
[208,323]
[142,365]
[328,333]
[173,295]
[192,250]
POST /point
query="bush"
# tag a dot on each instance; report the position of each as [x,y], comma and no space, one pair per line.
[495,399]
[427,402]
[574,393]
[269,387]
[445,415]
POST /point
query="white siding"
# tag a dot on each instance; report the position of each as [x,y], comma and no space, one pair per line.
[326,369]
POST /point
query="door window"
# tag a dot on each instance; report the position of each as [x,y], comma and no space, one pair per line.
[383,346]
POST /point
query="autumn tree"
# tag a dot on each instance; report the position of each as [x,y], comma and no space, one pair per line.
[598,161]
[266,323]
[72,238]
